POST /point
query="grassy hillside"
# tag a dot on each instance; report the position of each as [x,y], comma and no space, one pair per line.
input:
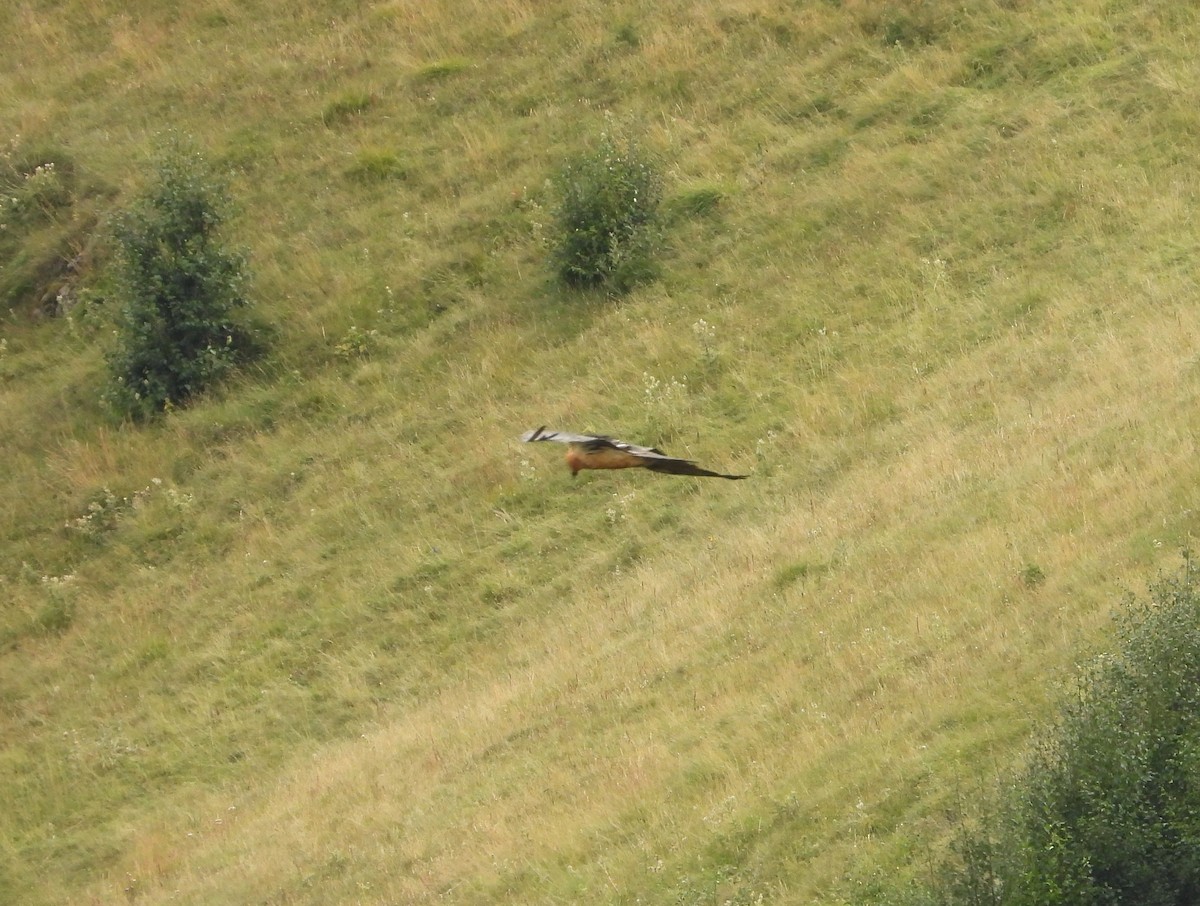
[332,635]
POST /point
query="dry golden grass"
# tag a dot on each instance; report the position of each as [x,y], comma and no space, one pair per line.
[357,644]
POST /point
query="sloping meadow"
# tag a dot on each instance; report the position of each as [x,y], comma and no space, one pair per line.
[332,634]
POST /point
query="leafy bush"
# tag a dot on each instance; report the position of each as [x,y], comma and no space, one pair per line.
[1108,809]
[608,216]
[1110,812]
[181,289]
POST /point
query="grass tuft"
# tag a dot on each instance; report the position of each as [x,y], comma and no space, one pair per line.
[377,165]
[441,70]
[695,202]
[346,108]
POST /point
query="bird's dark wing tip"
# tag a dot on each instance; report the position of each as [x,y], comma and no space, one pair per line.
[672,466]
[533,435]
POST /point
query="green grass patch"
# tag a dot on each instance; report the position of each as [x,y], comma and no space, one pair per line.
[697,201]
[346,109]
[440,70]
[377,165]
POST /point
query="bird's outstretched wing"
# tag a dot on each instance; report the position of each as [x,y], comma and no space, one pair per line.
[562,436]
[672,466]
[595,441]
[598,451]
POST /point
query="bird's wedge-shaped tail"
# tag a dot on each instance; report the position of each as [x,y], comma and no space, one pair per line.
[597,451]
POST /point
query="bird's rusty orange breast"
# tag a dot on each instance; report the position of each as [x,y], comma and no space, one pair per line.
[579,457]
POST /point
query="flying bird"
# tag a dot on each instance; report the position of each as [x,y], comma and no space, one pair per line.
[595,451]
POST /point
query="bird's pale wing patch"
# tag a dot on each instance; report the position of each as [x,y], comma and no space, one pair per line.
[645,452]
[563,437]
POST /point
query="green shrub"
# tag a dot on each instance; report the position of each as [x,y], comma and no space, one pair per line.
[1107,811]
[1110,808]
[181,289]
[607,218]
